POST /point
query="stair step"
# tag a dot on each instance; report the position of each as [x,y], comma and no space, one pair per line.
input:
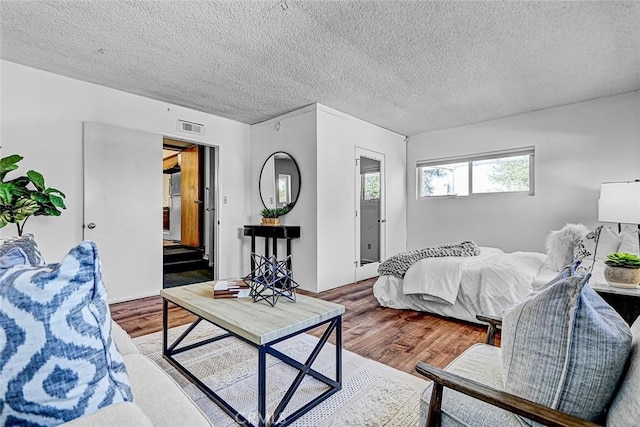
[185,265]
[181,254]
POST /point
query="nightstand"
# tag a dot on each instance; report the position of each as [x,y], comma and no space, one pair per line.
[625,301]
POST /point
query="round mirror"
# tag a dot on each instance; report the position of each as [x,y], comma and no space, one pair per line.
[279,181]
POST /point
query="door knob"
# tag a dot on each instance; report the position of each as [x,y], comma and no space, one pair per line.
[198,202]
[91,226]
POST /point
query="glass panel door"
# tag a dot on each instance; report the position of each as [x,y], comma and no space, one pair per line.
[369,213]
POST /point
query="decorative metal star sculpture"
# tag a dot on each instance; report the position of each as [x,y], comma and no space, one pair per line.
[271,279]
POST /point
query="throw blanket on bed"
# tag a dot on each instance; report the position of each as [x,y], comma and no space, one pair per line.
[397,265]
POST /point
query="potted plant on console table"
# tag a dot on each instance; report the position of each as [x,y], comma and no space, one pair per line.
[271,216]
[622,270]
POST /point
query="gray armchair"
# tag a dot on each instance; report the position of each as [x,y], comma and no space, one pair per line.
[469,391]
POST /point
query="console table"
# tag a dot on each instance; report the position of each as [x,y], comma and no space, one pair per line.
[274,232]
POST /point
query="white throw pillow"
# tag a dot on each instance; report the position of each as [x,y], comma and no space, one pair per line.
[597,244]
[559,245]
[629,242]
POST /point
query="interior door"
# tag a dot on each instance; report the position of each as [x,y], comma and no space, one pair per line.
[370,222]
[123,207]
[192,199]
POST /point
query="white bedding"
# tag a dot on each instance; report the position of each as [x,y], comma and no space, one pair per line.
[488,283]
[438,279]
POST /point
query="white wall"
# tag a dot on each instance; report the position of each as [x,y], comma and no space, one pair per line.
[338,136]
[577,147]
[42,115]
[323,141]
[296,136]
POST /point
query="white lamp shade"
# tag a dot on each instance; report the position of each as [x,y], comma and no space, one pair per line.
[619,202]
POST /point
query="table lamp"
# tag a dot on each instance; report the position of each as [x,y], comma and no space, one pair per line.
[620,202]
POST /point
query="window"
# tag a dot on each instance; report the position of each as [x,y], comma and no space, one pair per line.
[284,189]
[444,180]
[508,171]
[370,185]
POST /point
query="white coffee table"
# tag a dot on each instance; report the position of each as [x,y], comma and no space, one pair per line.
[261,326]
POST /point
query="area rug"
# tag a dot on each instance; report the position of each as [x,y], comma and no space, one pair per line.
[372,394]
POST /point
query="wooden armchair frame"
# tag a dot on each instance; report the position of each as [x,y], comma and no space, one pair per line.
[495,323]
[492,396]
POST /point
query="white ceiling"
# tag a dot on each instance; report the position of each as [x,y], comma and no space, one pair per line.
[404,65]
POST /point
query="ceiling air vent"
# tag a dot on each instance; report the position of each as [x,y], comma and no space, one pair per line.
[190,127]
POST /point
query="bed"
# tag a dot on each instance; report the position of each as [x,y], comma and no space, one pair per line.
[461,287]
[489,283]
[486,280]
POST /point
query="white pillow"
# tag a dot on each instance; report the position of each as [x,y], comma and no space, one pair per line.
[597,244]
[629,242]
[559,245]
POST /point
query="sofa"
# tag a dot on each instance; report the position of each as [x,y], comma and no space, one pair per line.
[63,360]
[157,399]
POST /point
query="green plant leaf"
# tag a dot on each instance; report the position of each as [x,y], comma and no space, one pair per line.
[37,179]
[39,197]
[274,212]
[19,217]
[25,207]
[623,259]
[57,201]
[9,161]
[53,190]
[21,181]
[49,211]
[8,164]
[6,192]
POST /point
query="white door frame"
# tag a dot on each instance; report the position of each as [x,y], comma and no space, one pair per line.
[212,185]
[371,269]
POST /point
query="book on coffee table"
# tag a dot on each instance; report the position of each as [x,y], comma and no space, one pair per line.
[230,289]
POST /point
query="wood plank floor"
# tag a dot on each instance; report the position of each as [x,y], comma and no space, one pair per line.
[398,338]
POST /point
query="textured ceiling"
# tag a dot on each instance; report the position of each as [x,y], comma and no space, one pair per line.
[403,65]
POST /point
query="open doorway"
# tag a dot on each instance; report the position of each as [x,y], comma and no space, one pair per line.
[370,212]
[188,213]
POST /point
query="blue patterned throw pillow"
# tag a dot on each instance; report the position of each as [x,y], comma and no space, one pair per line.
[57,359]
[14,256]
[565,348]
[27,244]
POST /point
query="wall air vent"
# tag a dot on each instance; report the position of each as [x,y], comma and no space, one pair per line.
[190,127]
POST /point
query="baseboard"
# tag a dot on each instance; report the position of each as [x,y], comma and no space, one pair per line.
[139,296]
